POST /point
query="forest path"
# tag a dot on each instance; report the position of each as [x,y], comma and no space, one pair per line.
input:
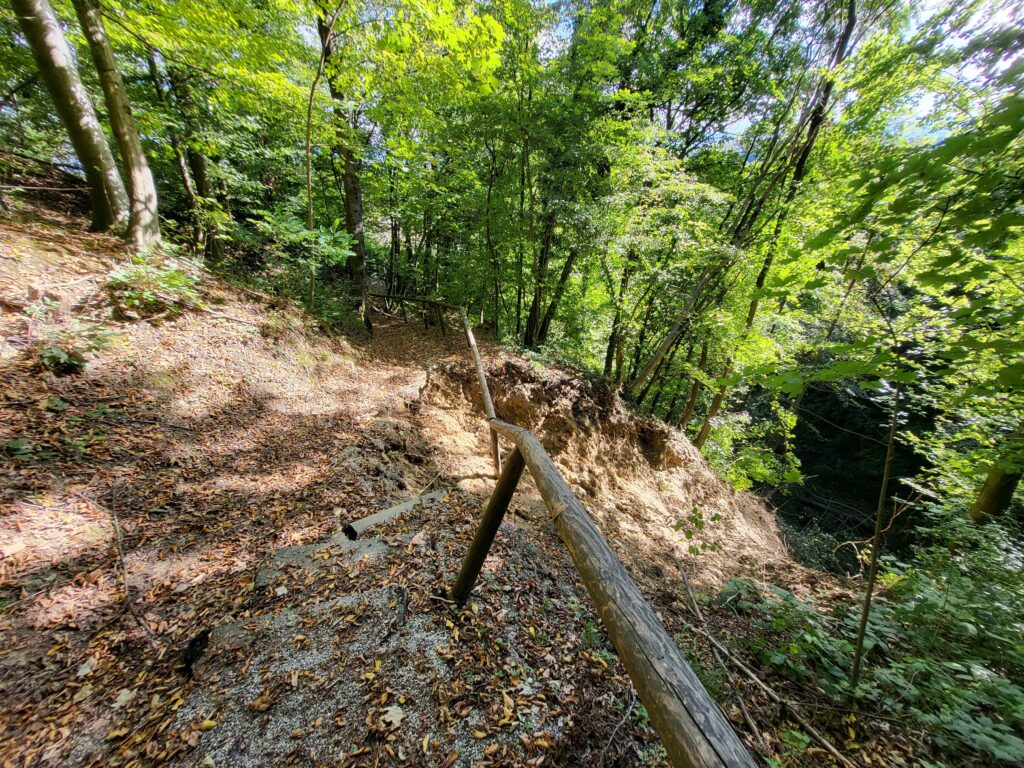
[173,583]
[211,441]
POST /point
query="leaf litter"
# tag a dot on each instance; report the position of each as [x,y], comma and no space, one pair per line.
[252,632]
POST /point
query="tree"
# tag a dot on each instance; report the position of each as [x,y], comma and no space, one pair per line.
[996,493]
[56,65]
[144,219]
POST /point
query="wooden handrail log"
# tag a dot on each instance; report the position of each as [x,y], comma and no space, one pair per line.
[693,729]
[490,521]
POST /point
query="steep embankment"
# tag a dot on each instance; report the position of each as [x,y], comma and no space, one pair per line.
[175,584]
[644,482]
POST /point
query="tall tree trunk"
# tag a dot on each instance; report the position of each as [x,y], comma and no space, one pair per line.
[489,241]
[613,337]
[556,297]
[540,273]
[350,168]
[662,370]
[638,348]
[996,493]
[354,227]
[204,236]
[187,182]
[144,218]
[74,107]
[396,248]
[676,331]
[524,161]
[691,402]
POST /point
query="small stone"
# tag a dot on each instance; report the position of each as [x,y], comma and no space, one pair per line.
[282,590]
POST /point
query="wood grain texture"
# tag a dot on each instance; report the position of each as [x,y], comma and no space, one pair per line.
[693,729]
[490,521]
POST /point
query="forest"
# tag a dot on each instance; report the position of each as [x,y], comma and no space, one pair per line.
[790,230]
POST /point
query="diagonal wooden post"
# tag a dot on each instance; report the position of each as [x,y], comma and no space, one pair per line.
[485,391]
[489,524]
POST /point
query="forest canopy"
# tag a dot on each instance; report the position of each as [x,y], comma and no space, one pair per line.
[793,230]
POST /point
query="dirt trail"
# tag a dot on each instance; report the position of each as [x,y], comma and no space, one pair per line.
[225,442]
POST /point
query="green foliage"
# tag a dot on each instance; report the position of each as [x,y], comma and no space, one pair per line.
[943,644]
[63,351]
[693,530]
[149,285]
[20,449]
[63,362]
[735,450]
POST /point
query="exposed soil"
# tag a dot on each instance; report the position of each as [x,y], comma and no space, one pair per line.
[223,451]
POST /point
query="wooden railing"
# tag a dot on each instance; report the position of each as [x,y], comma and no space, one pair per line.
[691,726]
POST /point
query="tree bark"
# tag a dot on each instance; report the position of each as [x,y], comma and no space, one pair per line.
[996,493]
[676,331]
[691,402]
[354,227]
[556,298]
[613,337]
[144,218]
[540,272]
[350,180]
[56,64]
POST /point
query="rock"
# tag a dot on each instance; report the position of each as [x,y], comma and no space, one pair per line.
[13,548]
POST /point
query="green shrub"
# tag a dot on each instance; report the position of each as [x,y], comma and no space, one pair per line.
[944,650]
[146,287]
[63,351]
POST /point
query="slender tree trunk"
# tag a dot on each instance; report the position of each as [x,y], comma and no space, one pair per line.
[556,297]
[144,218]
[523,162]
[638,348]
[540,271]
[491,250]
[204,235]
[691,402]
[663,368]
[354,226]
[56,64]
[396,248]
[996,493]
[676,331]
[883,495]
[350,168]
[187,182]
[613,338]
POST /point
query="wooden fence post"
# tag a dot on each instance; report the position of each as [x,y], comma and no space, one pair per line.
[693,729]
[488,527]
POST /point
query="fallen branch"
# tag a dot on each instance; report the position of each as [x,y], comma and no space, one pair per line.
[747,717]
[122,567]
[771,694]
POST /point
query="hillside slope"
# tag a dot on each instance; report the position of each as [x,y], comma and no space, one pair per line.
[222,450]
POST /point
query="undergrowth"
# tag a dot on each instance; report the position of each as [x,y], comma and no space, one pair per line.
[944,647]
[149,286]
